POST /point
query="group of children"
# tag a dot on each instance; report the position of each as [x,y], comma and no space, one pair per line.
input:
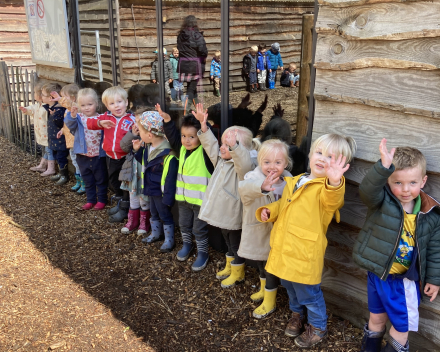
[266,215]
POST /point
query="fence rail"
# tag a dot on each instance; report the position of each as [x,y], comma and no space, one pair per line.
[16,90]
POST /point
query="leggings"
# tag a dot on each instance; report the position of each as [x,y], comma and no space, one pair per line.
[73,158]
[191,90]
[232,239]
[271,280]
[136,202]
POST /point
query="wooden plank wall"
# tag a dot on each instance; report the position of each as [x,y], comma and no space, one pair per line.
[377,76]
[249,25]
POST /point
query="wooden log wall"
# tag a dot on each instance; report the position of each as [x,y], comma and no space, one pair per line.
[377,76]
[250,24]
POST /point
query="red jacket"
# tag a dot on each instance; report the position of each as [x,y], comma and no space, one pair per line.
[113,136]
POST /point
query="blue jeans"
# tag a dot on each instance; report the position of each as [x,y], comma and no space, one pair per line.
[48,154]
[160,211]
[94,173]
[310,297]
[272,75]
[177,89]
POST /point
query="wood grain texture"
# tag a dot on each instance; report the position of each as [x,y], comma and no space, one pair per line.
[368,125]
[58,74]
[346,3]
[383,88]
[389,21]
[334,52]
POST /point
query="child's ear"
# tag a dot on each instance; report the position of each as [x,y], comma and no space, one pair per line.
[424,181]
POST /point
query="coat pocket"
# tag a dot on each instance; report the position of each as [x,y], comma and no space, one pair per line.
[365,241]
[301,244]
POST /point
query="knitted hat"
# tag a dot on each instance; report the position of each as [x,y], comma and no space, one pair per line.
[275,46]
[152,122]
[164,51]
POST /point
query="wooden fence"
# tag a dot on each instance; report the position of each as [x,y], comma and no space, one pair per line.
[17,89]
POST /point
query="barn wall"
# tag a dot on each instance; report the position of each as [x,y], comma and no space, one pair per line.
[377,76]
[249,25]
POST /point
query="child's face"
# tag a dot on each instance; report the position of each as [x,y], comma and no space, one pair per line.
[224,151]
[145,135]
[292,69]
[262,51]
[189,138]
[274,163]
[406,184]
[70,97]
[45,97]
[87,106]
[318,160]
[253,54]
[176,53]
[117,105]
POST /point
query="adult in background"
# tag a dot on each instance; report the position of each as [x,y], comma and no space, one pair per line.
[193,53]
[276,61]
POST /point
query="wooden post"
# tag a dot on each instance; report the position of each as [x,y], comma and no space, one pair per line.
[304,78]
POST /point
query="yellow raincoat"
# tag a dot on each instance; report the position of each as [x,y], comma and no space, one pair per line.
[298,239]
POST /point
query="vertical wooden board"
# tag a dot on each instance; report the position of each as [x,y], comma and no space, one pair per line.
[368,125]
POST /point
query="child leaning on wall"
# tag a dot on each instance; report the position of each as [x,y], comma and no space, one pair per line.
[215,72]
[168,70]
[399,245]
[263,66]
[250,68]
[298,239]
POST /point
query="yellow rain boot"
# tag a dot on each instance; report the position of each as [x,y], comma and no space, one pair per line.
[223,274]
[257,297]
[237,275]
[268,306]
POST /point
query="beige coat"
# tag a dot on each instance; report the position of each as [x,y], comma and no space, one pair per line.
[221,205]
[39,115]
[255,235]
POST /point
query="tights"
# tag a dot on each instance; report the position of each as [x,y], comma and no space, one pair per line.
[191,90]
[232,239]
[271,280]
[136,202]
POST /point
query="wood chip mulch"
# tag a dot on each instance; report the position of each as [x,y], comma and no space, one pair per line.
[71,281]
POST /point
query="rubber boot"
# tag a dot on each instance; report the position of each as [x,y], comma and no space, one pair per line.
[77,184]
[252,90]
[132,223]
[223,274]
[186,249]
[41,167]
[389,348]
[259,296]
[168,244]
[82,189]
[156,232]
[56,177]
[64,177]
[144,223]
[114,209]
[50,168]
[122,213]
[202,255]
[237,276]
[263,86]
[268,306]
[372,340]
[217,92]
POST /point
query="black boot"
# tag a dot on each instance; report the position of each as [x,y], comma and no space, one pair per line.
[115,209]
[122,213]
[394,346]
[262,86]
[372,341]
[64,178]
[388,348]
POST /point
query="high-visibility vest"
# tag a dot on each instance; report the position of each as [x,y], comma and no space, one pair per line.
[166,166]
[192,176]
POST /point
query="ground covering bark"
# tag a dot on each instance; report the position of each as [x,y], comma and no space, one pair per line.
[71,281]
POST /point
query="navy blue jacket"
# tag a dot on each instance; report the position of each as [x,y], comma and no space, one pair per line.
[260,62]
[153,176]
[55,122]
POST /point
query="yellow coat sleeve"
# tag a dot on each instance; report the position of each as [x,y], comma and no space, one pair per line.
[332,198]
[274,211]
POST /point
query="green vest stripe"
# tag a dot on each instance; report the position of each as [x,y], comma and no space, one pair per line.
[166,166]
[142,173]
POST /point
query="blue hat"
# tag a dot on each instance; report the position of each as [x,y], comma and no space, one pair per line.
[164,51]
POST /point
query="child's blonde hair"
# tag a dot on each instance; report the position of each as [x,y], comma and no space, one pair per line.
[217,53]
[273,146]
[242,135]
[113,92]
[292,66]
[174,49]
[71,90]
[51,87]
[408,158]
[88,92]
[336,144]
[254,49]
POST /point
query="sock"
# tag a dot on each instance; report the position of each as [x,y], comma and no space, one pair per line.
[397,346]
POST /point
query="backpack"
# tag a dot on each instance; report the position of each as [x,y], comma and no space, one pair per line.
[246,67]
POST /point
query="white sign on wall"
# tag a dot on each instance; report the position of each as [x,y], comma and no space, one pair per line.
[48,32]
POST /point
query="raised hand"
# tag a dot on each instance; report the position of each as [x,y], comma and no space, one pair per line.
[231,138]
[74,111]
[265,214]
[201,116]
[164,115]
[54,96]
[268,182]
[277,110]
[136,144]
[135,130]
[60,133]
[336,169]
[386,156]
[107,124]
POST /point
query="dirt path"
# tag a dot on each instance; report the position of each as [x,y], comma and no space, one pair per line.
[70,279]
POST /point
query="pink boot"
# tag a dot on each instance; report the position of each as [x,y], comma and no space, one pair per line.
[40,168]
[50,168]
[132,223]
[145,225]
[88,206]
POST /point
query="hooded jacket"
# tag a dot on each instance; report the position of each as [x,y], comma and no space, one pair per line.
[192,52]
[260,63]
[275,59]
[168,69]
[174,64]
[298,239]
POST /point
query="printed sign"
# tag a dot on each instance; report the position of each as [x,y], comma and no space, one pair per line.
[41,15]
[32,16]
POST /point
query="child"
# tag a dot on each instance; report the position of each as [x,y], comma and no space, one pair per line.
[177,89]
[255,191]
[195,169]
[398,245]
[88,149]
[298,238]
[263,66]
[276,61]
[216,69]
[131,177]
[159,177]
[289,77]
[39,116]
[250,68]
[168,70]
[232,161]
[55,118]
[115,123]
